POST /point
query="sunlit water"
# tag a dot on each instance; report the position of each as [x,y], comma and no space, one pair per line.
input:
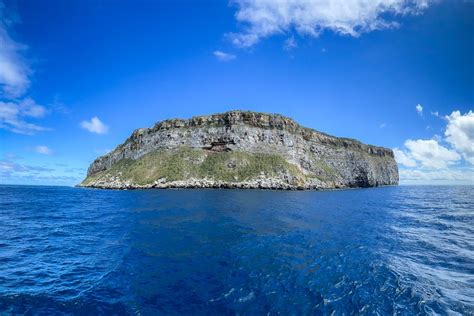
[405,250]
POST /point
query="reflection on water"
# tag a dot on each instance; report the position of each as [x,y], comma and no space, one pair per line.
[385,250]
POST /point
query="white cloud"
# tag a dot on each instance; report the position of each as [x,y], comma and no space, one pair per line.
[264,18]
[44,150]
[447,176]
[460,133]
[419,109]
[431,154]
[440,160]
[95,125]
[427,153]
[403,158]
[13,116]
[383,125]
[14,70]
[221,56]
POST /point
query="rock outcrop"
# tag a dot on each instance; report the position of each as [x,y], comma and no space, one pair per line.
[240,149]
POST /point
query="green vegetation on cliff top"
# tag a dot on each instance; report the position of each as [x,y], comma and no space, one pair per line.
[185,163]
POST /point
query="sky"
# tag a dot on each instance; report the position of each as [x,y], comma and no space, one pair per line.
[77,77]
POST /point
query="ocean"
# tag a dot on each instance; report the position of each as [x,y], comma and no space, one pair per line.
[390,250]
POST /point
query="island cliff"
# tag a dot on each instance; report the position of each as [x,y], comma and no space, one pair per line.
[239,149]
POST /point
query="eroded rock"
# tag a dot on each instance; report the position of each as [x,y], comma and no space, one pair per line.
[240,149]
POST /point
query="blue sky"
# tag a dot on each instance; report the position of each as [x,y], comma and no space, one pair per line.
[77,77]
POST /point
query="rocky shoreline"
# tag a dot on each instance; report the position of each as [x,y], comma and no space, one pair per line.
[262,182]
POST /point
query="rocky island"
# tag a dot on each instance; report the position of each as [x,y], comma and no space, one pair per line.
[240,149]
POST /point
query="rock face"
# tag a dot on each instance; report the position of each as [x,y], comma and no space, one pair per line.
[240,149]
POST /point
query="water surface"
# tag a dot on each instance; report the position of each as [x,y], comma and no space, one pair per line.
[407,250]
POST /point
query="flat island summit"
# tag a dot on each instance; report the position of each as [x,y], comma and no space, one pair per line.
[240,149]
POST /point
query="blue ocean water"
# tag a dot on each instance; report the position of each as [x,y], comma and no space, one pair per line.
[404,250]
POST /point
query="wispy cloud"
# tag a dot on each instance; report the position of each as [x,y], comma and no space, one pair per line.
[264,18]
[13,116]
[44,150]
[15,73]
[446,176]
[221,56]
[13,172]
[9,167]
[14,70]
[81,171]
[40,179]
[435,113]
[95,125]
[290,43]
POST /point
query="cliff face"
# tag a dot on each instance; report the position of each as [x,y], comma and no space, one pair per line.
[242,150]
